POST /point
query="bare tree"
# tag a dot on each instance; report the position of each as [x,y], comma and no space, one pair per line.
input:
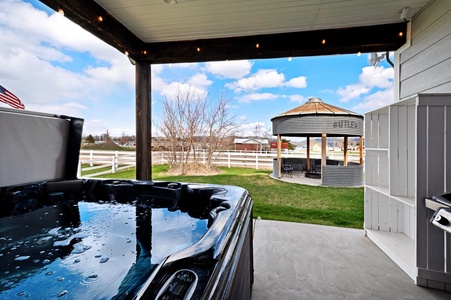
[219,125]
[192,121]
[182,121]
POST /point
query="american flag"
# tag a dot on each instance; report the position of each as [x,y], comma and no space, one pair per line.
[10,99]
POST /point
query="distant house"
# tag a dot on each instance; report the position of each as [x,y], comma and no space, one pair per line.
[244,144]
[316,147]
[285,146]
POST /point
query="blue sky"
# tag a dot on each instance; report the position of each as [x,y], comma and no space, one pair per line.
[54,66]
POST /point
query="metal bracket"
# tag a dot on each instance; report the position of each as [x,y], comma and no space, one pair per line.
[442,219]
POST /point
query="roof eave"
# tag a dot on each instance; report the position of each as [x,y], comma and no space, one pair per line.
[362,39]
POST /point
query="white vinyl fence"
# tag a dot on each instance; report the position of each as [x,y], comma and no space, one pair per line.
[120,160]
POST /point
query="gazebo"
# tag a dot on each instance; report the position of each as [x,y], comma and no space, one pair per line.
[316,118]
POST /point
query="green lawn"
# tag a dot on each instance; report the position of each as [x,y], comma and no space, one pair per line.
[277,200]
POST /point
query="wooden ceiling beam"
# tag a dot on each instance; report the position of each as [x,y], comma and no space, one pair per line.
[378,38]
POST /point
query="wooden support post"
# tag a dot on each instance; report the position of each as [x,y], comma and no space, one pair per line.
[279,154]
[308,155]
[143,122]
[345,152]
[361,150]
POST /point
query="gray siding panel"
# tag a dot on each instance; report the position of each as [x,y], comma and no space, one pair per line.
[433,138]
[435,172]
[428,28]
[434,55]
[424,66]
[315,125]
[422,214]
[342,175]
[428,79]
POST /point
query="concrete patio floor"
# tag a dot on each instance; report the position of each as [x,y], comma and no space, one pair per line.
[298,177]
[304,261]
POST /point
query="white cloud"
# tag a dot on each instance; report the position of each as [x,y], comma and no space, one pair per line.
[196,86]
[200,81]
[158,83]
[233,69]
[298,99]
[380,78]
[174,89]
[376,100]
[35,64]
[298,82]
[257,97]
[377,77]
[259,129]
[184,65]
[352,91]
[68,108]
[264,78]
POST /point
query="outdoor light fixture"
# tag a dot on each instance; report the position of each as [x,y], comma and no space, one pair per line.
[404,13]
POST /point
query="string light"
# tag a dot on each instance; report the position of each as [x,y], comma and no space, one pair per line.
[323,41]
[198,49]
[257,45]
[144,52]
[60,11]
[126,53]
[100,18]
[359,53]
[401,34]
[289,58]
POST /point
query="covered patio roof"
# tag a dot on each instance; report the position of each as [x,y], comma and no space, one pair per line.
[201,30]
[177,31]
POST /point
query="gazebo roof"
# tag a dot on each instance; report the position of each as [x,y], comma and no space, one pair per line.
[316,106]
[315,118]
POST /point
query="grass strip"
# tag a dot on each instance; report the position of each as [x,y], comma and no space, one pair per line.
[278,200]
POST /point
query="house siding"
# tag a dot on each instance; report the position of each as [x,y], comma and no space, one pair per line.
[424,66]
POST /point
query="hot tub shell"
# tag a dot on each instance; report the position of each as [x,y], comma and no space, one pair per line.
[113,239]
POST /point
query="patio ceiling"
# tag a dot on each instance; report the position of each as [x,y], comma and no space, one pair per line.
[207,30]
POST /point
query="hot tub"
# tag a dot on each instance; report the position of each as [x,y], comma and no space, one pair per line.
[108,239]
[64,237]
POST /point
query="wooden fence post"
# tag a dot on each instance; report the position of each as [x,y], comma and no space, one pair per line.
[113,164]
[79,169]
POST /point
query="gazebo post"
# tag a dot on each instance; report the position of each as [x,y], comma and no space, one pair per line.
[323,150]
[345,151]
[308,155]
[361,149]
[279,155]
